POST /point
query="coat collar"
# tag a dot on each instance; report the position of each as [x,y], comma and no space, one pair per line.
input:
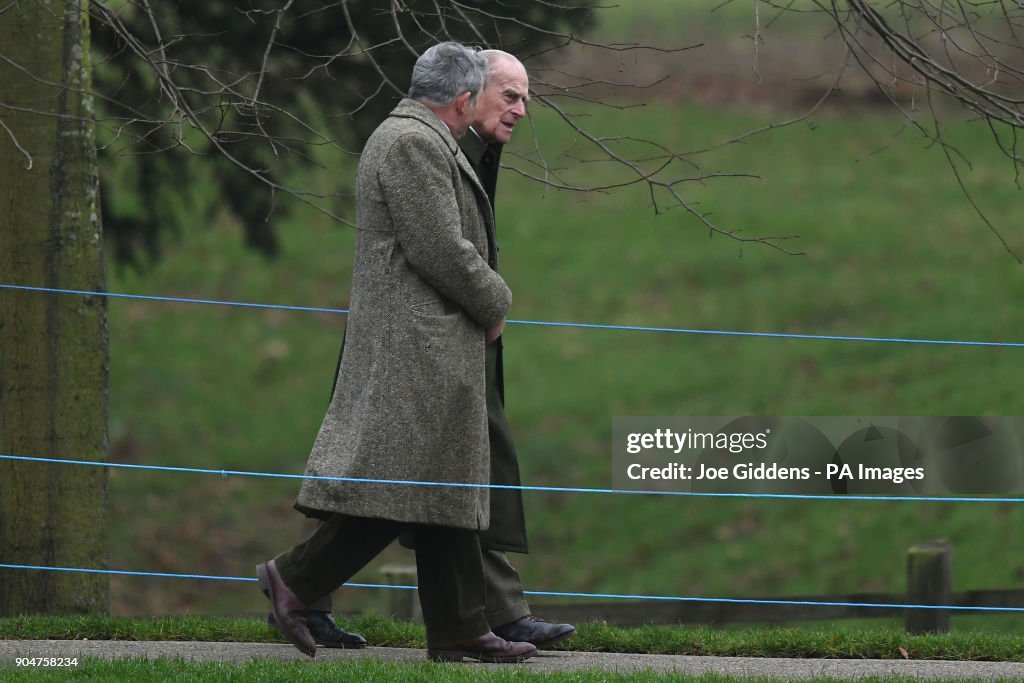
[473,146]
[411,109]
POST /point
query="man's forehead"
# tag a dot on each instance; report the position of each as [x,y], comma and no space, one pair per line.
[517,87]
[507,67]
[511,80]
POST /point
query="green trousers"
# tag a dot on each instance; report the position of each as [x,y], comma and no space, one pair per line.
[449,570]
[503,602]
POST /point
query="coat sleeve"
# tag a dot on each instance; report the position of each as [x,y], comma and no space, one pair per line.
[417,185]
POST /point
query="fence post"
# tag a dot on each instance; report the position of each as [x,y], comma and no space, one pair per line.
[929,582]
[404,604]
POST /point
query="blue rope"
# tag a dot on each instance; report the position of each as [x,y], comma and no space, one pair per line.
[145,297]
[225,473]
[557,594]
[593,326]
[551,489]
[162,575]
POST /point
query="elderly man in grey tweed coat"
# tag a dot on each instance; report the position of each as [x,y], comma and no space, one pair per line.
[409,404]
[501,104]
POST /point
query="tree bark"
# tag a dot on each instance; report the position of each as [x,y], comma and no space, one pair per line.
[53,347]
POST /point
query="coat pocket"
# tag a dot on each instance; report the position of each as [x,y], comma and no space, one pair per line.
[437,330]
[435,308]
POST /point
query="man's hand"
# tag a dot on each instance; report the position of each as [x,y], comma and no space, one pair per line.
[495,330]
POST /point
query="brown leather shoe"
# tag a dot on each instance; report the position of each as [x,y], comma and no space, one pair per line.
[486,648]
[289,611]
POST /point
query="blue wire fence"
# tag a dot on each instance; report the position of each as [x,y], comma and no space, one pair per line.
[554,594]
[541,323]
[560,489]
[549,489]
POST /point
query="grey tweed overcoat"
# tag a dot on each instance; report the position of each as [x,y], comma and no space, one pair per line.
[409,403]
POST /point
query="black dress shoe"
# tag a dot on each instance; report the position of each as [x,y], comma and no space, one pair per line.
[487,648]
[326,631]
[531,629]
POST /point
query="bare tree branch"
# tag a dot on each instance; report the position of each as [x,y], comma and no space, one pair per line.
[14,139]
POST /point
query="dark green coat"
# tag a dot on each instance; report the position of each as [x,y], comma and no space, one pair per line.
[508,525]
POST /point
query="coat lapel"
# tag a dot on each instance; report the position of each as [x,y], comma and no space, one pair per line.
[411,109]
[478,189]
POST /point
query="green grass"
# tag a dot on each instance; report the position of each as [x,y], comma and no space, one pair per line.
[383,632]
[369,670]
[664,22]
[671,23]
[870,643]
[891,250]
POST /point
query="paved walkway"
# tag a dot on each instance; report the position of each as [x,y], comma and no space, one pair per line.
[784,669]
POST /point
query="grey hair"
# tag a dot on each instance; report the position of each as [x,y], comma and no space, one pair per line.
[445,71]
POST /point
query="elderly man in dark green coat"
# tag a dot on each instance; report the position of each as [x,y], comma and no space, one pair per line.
[409,404]
[502,103]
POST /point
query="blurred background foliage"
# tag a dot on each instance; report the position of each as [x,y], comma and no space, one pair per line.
[261,87]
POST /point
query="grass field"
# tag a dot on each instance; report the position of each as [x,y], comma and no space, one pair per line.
[891,249]
[167,670]
[750,642]
[820,643]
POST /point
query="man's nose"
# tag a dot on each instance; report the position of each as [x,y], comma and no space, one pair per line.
[519,110]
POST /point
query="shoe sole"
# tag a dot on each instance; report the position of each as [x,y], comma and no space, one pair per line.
[264,578]
[339,646]
[459,655]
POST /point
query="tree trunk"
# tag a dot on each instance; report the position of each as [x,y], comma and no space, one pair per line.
[53,347]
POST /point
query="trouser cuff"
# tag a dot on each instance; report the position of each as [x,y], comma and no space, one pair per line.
[291,577]
[322,604]
[506,615]
[456,634]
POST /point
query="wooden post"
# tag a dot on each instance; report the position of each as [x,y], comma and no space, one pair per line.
[929,582]
[404,603]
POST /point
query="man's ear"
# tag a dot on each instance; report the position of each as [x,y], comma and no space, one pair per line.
[461,102]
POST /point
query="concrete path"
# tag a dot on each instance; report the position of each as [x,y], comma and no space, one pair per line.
[783,669]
